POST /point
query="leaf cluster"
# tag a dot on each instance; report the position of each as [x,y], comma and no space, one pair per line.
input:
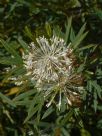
[23,110]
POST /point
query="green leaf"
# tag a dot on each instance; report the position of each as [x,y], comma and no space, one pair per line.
[78,40]
[86,47]
[79,37]
[68,27]
[16,133]
[24,102]
[34,107]
[32,111]
[24,95]
[72,35]
[81,31]
[95,104]
[48,112]
[67,117]
[29,33]
[6,99]
[48,29]
[81,68]
[57,31]
[41,103]
[84,132]
[8,61]
[98,89]
[12,51]
[65,132]
[23,44]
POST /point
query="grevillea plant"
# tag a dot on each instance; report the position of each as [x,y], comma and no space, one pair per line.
[48,74]
[51,66]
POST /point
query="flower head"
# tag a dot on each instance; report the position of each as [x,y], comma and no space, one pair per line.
[50,64]
[47,60]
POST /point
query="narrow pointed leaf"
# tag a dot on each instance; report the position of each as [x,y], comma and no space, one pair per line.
[6,99]
[68,27]
[48,112]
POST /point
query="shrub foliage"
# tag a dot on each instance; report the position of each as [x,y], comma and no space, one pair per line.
[24,109]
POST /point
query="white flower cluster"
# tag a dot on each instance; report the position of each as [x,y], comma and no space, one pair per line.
[47,61]
[49,64]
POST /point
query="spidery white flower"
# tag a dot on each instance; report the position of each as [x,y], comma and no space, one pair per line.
[48,64]
[47,61]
